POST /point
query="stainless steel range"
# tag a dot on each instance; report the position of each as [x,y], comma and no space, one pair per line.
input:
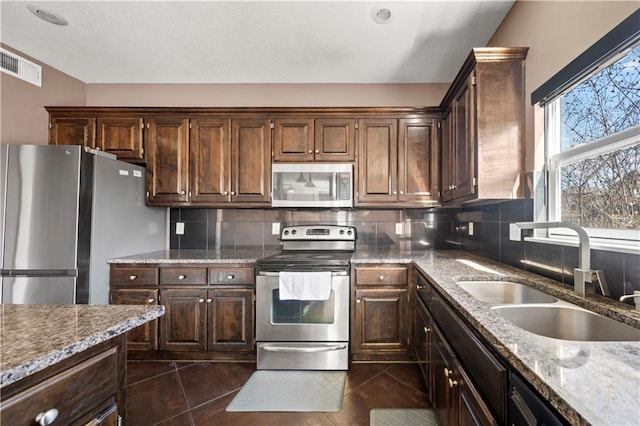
[302,300]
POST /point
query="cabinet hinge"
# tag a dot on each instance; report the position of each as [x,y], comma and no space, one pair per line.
[50,125]
[438,124]
[189,125]
[253,298]
[473,80]
[142,151]
[272,125]
[142,125]
[356,126]
[473,182]
[439,194]
[147,125]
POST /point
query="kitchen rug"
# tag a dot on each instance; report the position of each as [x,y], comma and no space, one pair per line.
[402,417]
[285,390]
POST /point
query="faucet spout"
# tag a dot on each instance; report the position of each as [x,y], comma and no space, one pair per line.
[583,273]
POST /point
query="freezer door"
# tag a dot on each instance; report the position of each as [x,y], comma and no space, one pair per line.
[23,289]
[42,205]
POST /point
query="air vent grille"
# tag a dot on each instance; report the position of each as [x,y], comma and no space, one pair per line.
[17,66]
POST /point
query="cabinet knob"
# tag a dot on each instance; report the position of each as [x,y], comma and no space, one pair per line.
[395,193]
[401,192]
[317,151]
[182,277]
[446,372]
[453,383]
[230,276]
[427,329]
[182,192]
[358,300]
[310,151]
[200,300]
[381,278]
[419,287]
[209,300]
[233,192]
[150,300]
[47,417]
[132,277]
[225,193]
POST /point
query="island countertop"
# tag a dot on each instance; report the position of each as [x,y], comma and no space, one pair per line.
[34,337]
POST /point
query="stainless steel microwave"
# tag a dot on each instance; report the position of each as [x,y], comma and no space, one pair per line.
[311,185]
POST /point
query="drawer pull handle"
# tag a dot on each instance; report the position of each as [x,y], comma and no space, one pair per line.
[453,383]
[182,277]
[47,417]
[150,300]
[358,301]
[132,277]
[201,300]
[230,276]
[420,287]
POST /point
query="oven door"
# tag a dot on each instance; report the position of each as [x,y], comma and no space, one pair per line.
[301,320]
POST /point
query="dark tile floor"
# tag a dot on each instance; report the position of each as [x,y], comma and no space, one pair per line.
[174,393]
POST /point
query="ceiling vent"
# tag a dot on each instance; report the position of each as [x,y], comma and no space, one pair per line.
[17,66]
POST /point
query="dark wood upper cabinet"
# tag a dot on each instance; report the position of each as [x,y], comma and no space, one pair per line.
[251,161]
[377,160]
[70,130]
[483,127]
[417,160]
[167,161]
[121,136]
[210,150]
[299,139]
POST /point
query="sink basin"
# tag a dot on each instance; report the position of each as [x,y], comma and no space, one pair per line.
[567,323]
[504,292]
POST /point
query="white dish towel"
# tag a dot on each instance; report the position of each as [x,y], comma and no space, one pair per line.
[305,285]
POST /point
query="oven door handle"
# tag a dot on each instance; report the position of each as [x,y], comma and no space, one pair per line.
[305,348]
[275,274]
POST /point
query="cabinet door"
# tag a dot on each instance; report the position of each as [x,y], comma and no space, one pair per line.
[381,320]
[422,341]
[444,393]
[378,159]
[448,164]
[417,160]
[230,319]
[293,139]
[121,136]
[144,337]
[463,110]
[72,131]
[167,161]
[183,326]
[210,150]
[334,139]
[251,161]
[472,410]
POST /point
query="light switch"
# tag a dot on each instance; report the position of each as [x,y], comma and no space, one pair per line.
[514,232]
[399,228]
[275,228]
[470,228]
[179,228]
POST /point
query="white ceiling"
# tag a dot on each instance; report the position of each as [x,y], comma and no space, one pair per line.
[253,41]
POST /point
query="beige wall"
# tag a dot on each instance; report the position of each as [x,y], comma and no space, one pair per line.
[265,95]
[23,119]
[556,32]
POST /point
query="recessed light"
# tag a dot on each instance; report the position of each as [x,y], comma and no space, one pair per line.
[381,15]
[47,15]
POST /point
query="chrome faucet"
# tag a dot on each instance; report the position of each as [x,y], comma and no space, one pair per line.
[583,273]
[635,295]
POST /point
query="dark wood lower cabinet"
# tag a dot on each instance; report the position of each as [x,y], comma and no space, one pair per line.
[144,337]
[230,320]
[183,326]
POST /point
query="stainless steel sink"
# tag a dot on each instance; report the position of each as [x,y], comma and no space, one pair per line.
[504,292]
[567,323]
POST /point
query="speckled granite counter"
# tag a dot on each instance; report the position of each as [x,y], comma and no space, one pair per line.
[197,256]
[34,337]
[588,382]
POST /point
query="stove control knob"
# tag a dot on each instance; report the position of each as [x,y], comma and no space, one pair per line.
[286,232]
[294,232]
[349,232]
[342,232]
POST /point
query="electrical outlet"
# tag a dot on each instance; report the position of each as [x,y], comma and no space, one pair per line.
[514,232]
[275,228]
[470,228]
[179,228]
[399,228]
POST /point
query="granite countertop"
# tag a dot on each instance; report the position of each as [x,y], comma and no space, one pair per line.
[34,337]
[587,382]
[246,255]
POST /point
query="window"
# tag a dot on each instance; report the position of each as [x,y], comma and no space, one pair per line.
[593,150]
[592,138]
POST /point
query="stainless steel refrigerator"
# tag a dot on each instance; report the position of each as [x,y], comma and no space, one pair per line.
[65,210]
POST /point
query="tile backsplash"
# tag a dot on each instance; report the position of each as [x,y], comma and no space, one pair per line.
[481,229]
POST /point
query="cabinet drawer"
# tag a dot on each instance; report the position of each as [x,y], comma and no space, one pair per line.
[231,276]
[387,275]
[95,379]
[183,276]
[134,277]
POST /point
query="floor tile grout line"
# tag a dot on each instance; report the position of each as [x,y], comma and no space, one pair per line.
[216,398]
[151,377]
[397,379]
[184,393]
